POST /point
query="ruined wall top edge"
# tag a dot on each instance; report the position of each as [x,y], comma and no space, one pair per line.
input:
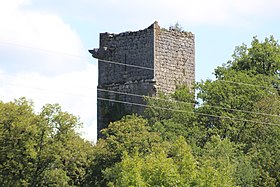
[127,33]
[148,29]
[176,33]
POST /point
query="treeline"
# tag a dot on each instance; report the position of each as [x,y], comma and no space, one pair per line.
[229,135]
[40,149]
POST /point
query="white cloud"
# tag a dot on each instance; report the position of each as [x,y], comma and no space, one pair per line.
[39,39]
[42,58]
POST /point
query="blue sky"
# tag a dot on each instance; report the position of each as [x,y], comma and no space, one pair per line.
[43,44]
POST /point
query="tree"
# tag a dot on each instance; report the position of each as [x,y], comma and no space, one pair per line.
[176,166]
[17,133]
[164,166]
[229,139]
[173,115]
[40,149]
[260,58]
[218,163]
[155,169]
[228,103]
[130,133]
[176,27]
[242,105]
[264,142]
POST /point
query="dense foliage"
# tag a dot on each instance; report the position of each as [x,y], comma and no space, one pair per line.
[40,149]
[228,136]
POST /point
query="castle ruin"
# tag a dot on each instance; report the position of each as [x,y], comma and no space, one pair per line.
[140,63]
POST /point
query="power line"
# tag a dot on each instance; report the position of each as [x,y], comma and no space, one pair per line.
[41,49]
[118,63]
[177,110]
[136,95]
[247,84]
[147,68]
[46,90]
[78,56]
[32,78]
[129,65]
[189,103]
[170,109]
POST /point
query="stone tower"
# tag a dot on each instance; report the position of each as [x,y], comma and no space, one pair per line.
[140,63]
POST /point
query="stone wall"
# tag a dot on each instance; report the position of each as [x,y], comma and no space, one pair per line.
[174,59]
[119,104]
[135,48]
[131,48]
[170,55]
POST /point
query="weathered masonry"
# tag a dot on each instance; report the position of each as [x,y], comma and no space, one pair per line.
[140,63]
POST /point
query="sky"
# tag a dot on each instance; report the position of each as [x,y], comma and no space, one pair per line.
[44,44]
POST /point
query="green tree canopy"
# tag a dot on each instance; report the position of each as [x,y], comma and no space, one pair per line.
[242,104]
[127,135]
[40,149]
[260,58]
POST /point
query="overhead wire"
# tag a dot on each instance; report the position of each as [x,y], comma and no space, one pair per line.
[247,84]
[183,111]
[119,63]
[114,62]
[188,103]
[45,90]
[24,77]
[152,69]
[143,105]
[137,95]
[129,65]
[146,68]
[41,49]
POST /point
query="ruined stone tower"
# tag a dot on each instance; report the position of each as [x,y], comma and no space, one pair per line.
[140,63]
